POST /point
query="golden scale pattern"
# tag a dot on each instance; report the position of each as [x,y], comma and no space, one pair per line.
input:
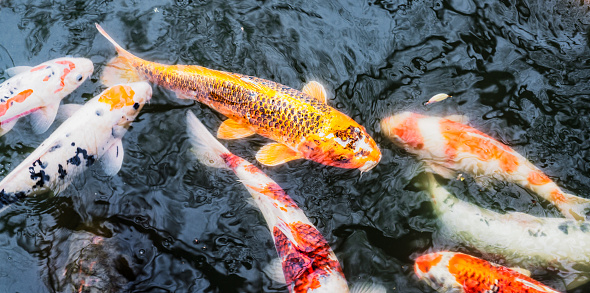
[288,115]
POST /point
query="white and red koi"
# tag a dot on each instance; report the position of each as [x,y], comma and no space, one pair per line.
[447,147]
[301,122]
[448,271]
[521,239]
[37,91]
[92,133]
[308,262]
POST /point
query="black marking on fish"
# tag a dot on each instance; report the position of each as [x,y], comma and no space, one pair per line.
[75,160]
[40,176]
[39,163]
[537,234]
[98,112]
[8,198]
[55,147]
[62,172]
[585,227]
[73,144]
[136,106]
[563,228]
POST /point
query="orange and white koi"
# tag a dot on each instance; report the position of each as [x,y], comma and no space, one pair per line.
[457,272]
[92,133]
[447,147]
[302,123]
[37,91]
[520,239]
[308,262]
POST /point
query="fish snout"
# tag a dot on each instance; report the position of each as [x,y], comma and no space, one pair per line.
[143,92]
[425,262]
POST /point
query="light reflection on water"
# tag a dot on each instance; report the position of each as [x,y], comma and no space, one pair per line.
[517,69]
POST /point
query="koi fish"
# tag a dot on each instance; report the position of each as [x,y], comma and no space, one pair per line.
[447,147]
[92,133]
[37,91]
[446,271]
[302,123]
[521,239]
[308,262]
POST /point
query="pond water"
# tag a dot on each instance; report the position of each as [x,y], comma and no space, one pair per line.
[518,69]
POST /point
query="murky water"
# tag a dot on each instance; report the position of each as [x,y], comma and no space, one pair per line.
[518,69]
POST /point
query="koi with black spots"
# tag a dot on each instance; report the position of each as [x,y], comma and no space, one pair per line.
[92,133]
[301,122]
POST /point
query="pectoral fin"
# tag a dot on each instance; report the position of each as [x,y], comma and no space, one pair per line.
[458,118]
[66,111]
[112,160]
[367,287]
[316,90]
[17,70]
[274,154]
[230,129]
[440,170]
[274,270]
[6,127]
[44,117]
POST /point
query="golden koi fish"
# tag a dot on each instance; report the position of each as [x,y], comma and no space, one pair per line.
[301,123]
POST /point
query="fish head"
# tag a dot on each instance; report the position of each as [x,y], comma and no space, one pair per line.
[68,72]
[121,103]
[343,143]
[402,129]
[433,269]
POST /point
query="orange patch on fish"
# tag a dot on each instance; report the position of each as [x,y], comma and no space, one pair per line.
[460,139]
[252,169]
[425,262]
[38,68]
[408,131]
[538,178]
[71,66]
[557,196]
[118,97]
[19,98]
[275,192]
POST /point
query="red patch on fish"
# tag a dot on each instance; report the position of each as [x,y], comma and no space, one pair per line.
[306,261]
[538,178]
[39,68]
[275,192]
[19,98]
[231,160]
[252,169]
[462,138]
[409,132]
[71,66]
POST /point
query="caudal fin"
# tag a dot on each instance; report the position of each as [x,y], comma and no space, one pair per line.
[207,149]
[120,69]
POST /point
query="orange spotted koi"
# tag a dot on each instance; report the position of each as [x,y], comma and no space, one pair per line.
[301,122]
[308,262]
[39,90]
[447,271]
[447,147]
[93,132]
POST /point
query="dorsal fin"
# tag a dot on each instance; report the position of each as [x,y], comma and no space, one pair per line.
[316,90]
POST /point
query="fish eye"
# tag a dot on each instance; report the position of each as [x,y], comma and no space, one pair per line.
[79,77]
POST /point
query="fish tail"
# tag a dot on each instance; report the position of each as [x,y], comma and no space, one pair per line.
[120,69]
[207,149]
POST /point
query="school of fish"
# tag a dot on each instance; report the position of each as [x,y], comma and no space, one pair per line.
[302,126]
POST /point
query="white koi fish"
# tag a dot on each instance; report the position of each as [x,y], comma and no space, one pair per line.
[37,91]
[521,239]
[447,147]
[92,133]
[308,262]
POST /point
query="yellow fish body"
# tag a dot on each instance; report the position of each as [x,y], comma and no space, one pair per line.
[300,122]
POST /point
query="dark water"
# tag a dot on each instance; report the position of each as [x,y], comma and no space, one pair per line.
[518,69]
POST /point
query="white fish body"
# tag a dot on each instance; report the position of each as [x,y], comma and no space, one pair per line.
[93,132]
[523,240]
[38,91]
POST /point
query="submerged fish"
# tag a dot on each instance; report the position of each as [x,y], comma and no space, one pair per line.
[457,272]
[448,147]
[37,91]
[301,123]
[521,239]
[93,132]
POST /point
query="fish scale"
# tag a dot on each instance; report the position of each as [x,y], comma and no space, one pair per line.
[300,122]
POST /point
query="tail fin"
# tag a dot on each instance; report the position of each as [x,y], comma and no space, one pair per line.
[120,69]
[206,147]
